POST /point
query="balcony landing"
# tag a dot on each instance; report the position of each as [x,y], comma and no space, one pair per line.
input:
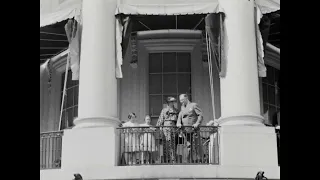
[164,172]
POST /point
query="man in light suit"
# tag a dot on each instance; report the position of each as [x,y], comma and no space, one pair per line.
[190,115]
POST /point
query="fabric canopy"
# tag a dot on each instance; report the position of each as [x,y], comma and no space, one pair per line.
[168,7]
[184,7]
[268,6]
[180,7]
[52,11]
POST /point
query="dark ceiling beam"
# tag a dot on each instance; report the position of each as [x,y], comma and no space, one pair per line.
[54,40]
[52,47]
[47,54]
[42,32]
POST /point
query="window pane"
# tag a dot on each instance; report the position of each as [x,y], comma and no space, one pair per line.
[69,98]
[265,79]
[69,80]
[272,115]
[265,92]
[74,83]
[270,75]
[184,62]
[155,84]
[278,97]
[63,119]
[155,105]
[271,95]
[76,94]
[70,117]
[169,62]
[184,83]
[155,62]
[169,84]
[265,108]
[276,75]
[154,120]
[75,111]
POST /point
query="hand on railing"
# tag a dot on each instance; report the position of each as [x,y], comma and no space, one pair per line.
[179,125]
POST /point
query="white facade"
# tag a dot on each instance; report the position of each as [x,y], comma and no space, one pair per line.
[91,148]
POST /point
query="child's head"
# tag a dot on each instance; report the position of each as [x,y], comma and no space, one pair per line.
[147,119]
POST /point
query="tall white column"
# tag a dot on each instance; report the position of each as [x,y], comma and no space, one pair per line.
[98,104]
[240,103]
[244,140]
[94,142]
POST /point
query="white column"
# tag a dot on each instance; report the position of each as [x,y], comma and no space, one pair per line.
[240,103]
[244,140]
[98,105]
[94,142]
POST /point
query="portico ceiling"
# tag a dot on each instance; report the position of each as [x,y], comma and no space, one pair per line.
[53,40]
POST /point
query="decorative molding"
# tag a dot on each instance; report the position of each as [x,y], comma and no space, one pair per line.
[134,49]
[96,122]
[204,48]
[242,119]
[169,45]
[169,34]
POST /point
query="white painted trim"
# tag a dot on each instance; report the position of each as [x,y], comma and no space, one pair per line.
[169,45]
[170,33]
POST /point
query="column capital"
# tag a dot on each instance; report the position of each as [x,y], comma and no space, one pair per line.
[96,122]
[242,119]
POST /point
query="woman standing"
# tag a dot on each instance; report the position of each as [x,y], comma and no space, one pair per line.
[131,141]
[168,117]
[147,141]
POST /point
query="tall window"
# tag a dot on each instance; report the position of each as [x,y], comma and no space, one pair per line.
[271,94]
[169,75]
[70,107]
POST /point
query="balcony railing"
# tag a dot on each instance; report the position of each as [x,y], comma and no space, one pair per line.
[50,150]
[169,145]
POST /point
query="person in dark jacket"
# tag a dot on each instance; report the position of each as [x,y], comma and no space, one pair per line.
[191,117]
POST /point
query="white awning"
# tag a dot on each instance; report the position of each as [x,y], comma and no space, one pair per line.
[168,7]
[51,11]
[182,7]
[268,6]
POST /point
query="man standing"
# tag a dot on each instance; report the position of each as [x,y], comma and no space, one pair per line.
[190,115]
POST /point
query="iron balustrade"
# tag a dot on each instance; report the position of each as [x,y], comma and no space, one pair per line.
[50,150]
[169,145]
